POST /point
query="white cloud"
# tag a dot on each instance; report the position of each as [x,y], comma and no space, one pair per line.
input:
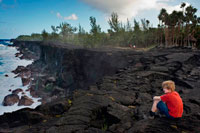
[71,17]
[169,8]
[129,8]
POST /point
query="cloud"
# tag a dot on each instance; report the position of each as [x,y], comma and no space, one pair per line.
[0,1]
[71,17]
[169,8]
[129,8]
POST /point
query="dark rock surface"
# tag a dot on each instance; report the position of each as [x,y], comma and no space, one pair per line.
[118,102]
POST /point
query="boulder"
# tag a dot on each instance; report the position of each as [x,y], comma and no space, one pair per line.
[17,91]
[17,54]
[25,101]
[6,75]
[10,99]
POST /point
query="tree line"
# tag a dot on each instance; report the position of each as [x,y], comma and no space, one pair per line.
[180,28]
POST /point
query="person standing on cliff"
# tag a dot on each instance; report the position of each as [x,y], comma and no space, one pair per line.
[170,104]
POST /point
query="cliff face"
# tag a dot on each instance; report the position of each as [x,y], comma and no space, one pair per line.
[73,67]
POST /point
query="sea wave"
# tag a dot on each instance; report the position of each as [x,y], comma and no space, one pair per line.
[10,63]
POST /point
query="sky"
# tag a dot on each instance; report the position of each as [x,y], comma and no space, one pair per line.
[23,17]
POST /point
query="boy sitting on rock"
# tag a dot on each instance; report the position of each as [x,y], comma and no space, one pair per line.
[170,104]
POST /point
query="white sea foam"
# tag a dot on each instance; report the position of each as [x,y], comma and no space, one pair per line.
[8,63]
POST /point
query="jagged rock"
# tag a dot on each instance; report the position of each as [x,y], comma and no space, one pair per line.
[25,81]
[17,54]
[16,91]
[21,118]
[138,65]
[55,107]
[159,69]
[25,101]
[181,57]
[19,69]
[10,99]
[195,72]
[35,117]
[123,99]
[118,110]
[25,74]
[33,92]
[51,79]
[57,91]
[96,130]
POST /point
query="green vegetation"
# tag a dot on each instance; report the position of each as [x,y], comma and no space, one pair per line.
[32,37]
[180,28]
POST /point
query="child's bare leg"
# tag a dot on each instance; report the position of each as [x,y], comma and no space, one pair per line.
[154,106]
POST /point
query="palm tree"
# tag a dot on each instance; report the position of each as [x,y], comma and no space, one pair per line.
[191,21]
[173,24]
[163,16]
[182,22]
[183,6]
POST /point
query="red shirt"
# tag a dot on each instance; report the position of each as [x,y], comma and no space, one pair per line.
[174,103]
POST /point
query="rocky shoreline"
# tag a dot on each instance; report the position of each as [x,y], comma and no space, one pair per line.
[106,90]
[20,95]
[14,97]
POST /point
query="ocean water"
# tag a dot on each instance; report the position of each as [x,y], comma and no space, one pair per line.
[8,63]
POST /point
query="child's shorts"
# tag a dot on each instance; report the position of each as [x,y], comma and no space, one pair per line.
[163,109]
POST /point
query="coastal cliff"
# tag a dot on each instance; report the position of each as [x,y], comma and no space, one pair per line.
[105,90]
[71,67]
